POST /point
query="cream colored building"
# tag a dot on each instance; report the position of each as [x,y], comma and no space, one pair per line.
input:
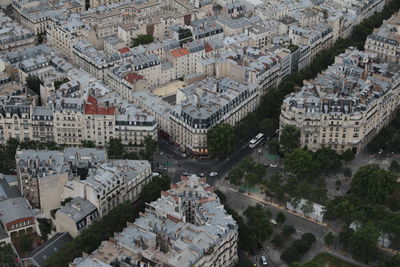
[111,184]
[15,118]
[196,231]
[198,107]
[64,31]
[42,176]
[385,41]
[36,15]
[13,36]
[346,105]
[75,216]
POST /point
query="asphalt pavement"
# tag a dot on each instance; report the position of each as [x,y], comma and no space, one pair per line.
[177,164]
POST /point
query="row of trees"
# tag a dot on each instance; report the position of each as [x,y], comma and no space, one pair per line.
[255,228]
[372,203]
[388,138]
[116,150]
[299,247]
[248,173]
[266,117]
[111,223]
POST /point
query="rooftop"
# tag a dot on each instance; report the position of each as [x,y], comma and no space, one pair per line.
[77,209]
[13,209]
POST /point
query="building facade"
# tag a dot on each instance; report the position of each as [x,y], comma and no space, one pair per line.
[346,105]
[186,226]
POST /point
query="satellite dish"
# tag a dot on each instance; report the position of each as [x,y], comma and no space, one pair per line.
[2,65]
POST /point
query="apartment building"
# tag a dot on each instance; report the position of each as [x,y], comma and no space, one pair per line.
[141,70]
[13,36]
[42,124]
[385,41]
[318,37]
[17,217]
[43,174]
[185,59]
[36,15]
[110,183]
[261,32]
[132,124]
[64,31]
[15,118]
[156,107]
[186,226]
[346,105]
[198,107]
[75,216]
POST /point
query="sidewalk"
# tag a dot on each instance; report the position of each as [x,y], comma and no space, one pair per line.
[260,198]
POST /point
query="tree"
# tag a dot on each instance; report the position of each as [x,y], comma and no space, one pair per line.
[115,148]
[26,243]
[289,139]
[394,166]
[300,162]
[142,39]
[220,140]
[259,222]
[307,207]
[151,147]
[7,256]
[88,144]
[329,238]
[393,261]
[288,230]
[295,202]
[273,146]
[33,82]
[267,126]
[363,243]
[278,240]
[221,196]
[347,172]
[348,155]
[280,218]
[327,159]
[373,184]
[45,227]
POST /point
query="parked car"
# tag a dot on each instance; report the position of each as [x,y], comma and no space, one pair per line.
[273,165]
[263,260]
[212,174]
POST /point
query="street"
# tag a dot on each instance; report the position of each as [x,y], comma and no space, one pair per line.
[177,164]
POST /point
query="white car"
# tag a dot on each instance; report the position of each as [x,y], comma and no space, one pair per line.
[273,165]
[212,174]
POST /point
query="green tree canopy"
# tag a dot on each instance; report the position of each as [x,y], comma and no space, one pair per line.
[289,139]
[115,148]
[329,238]
[7,256]
[259,222]
[220,140]
[362,243]
[327,159]
[88,144]
[373,184]
[142,39]
[267,126]
[348,155]
[280,218]
[300,162]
